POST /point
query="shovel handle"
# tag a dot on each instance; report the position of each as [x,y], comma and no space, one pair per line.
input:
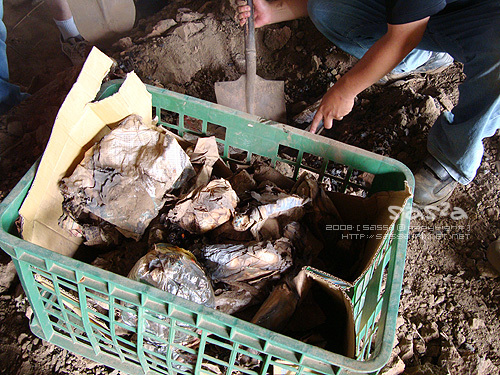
[251,61]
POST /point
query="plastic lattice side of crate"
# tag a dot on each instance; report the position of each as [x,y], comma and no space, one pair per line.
[76,306]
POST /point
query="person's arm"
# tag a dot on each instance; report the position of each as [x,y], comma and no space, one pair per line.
[379,60]
[266,13]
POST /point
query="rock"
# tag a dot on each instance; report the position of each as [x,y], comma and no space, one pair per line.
[187,15]
[400,321]
[486,367]
[395,367]
[335,58]
[89,364]
[406,347]
[426,369]
[124,43]
[161,27]
[239,62]
[476,323]
[450,357]
[7,276]
[445,102]
[493,254]
[316,62]
[187,30]
[460,338]
[486,270]
[15,128]
[430,332]
[21,338]
[419,346]
[29,312]
[276,39]
[429,110]
[494,214]
[26,367]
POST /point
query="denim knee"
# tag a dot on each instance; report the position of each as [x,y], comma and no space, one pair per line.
[352,25]
[326,16]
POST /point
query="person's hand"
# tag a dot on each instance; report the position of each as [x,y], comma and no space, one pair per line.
[261,12]
[334,106]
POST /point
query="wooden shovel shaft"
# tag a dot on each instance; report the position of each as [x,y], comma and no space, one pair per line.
[251,61]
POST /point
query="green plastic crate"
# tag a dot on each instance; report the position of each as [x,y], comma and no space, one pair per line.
[68,322]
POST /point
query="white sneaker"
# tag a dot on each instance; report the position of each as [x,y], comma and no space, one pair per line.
[437,62]
[76,48]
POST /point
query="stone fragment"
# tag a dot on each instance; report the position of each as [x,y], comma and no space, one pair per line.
[124,43]
[276,39]
[7,276]
[316,62]
[445,101]
[493,253]
[429,110]
[187,30]
[486,270]
[430,332]
[406,347]
[450,357]
[426,369]
[15,128]
[420,347]
[21,338]
[161,27]
[487,367]
[396,367]
[186,15]
[476,323]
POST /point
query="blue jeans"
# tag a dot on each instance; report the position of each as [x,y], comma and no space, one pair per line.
[470,32]
[10,94]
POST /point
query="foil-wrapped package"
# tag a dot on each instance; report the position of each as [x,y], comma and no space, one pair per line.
[205,208]
[271,205]
[245,270]
[176,271]
[124,178]
[248,262]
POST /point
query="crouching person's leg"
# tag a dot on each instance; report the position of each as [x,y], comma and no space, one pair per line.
[456,139]
[355,25]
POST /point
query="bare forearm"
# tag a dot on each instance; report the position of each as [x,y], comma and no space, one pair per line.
[380,59]
[286,10]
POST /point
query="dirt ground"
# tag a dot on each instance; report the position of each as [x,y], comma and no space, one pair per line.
[449,313]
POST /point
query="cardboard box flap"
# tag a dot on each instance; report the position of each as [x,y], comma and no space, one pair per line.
[342,302]
[79,123]
[332,280]
[369,222]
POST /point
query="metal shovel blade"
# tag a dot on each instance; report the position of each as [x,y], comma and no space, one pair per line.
[99,20]
[269,97]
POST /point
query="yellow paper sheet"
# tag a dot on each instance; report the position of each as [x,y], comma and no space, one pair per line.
[79,123]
